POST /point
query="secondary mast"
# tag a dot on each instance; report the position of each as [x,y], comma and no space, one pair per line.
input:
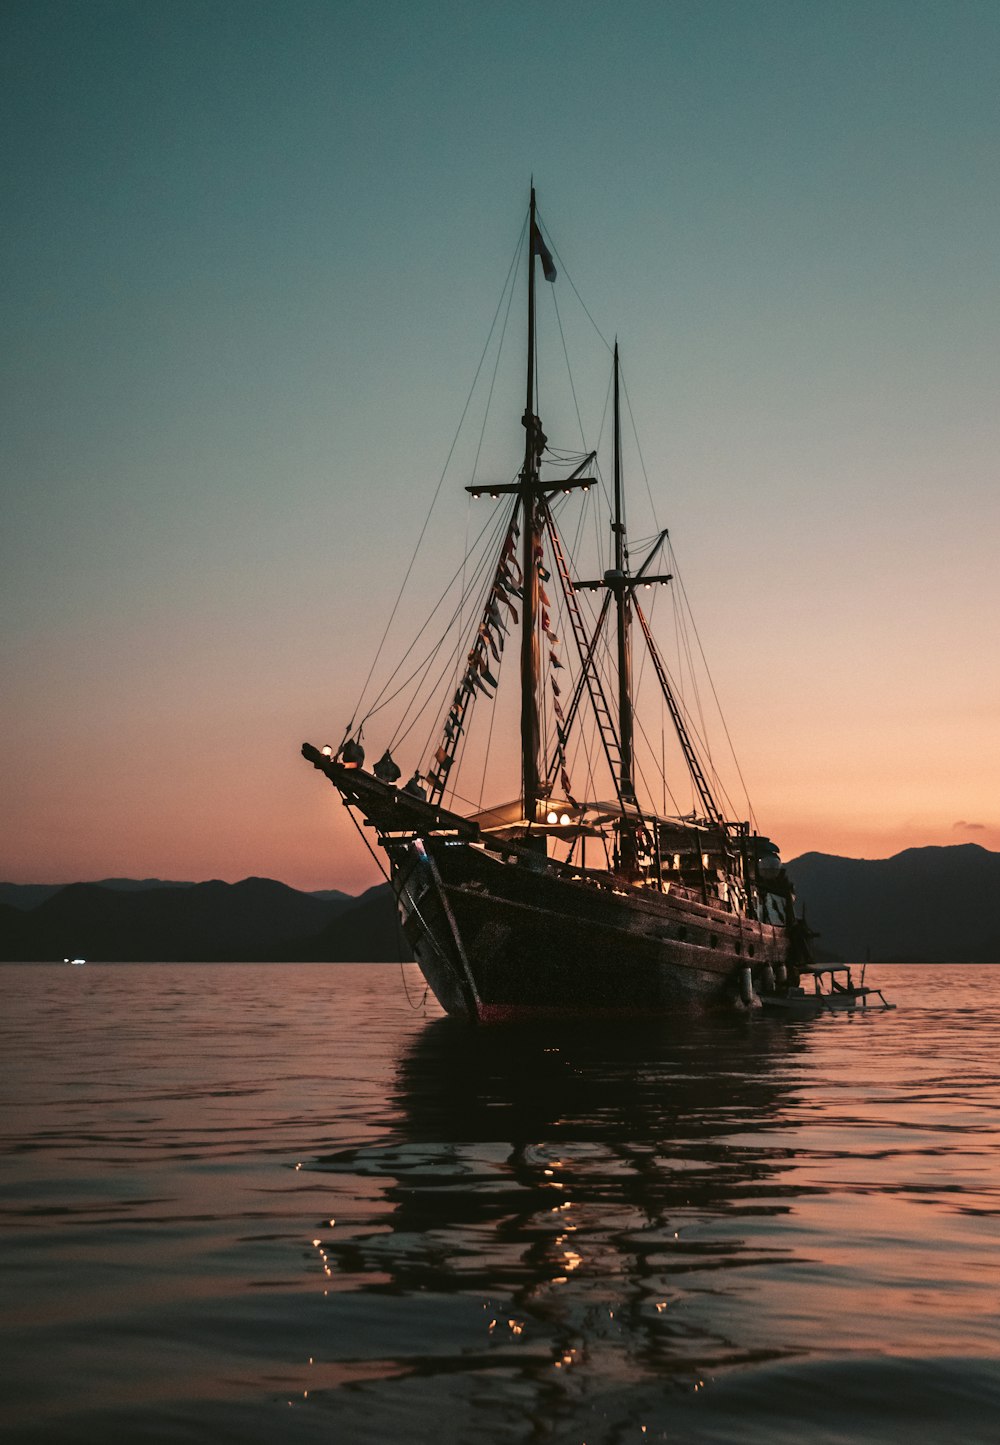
[620,582]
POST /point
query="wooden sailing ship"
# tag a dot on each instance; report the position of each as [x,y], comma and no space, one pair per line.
[553,904]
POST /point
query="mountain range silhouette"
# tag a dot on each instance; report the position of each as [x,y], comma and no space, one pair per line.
[925,905]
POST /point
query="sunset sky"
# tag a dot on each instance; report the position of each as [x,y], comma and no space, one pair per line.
[251,254]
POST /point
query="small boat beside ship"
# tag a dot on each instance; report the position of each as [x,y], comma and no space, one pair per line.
[833,991]
[583,895]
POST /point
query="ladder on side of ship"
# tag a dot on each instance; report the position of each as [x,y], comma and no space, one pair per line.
[589,676]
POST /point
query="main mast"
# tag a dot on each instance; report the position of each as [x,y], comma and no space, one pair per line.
[534,441]
[623,606]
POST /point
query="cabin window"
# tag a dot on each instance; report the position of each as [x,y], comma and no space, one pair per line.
[750,950]
[739,948]
[713,941]
[682,933]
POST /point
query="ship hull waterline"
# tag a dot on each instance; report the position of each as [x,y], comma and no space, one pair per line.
[503,942]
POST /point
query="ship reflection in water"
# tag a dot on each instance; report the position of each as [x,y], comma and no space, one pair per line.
[589,1231]
[586,1190]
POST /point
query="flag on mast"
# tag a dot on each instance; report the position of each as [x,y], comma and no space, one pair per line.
[539,248]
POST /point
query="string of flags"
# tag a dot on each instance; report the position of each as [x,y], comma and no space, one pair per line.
[488,644]
[489,641]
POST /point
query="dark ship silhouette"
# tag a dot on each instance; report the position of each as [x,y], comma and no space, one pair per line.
[553,904]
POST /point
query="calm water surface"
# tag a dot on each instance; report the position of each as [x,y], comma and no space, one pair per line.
[276,1203]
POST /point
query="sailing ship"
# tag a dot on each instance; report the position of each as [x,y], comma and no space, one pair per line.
[560,903]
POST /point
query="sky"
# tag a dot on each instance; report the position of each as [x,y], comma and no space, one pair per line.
[251,254]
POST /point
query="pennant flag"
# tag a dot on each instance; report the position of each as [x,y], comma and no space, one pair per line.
[539,249]
[552,637]
[567,789]
[508,604]
[484,632]
[557,709]
[555,688]
[544,596]
[441,756]
[554,660]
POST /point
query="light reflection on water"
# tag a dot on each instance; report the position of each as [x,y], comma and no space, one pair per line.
[737,1229]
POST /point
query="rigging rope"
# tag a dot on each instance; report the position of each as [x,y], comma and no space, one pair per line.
[485,568]
[444,470]
[708,674]
[638,447]
[399,927]
[565,271]
[381,700]
[569,369]
[401,734]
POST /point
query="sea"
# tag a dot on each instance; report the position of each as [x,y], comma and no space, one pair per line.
[293,1203]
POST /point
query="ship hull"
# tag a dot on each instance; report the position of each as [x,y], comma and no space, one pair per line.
[500,940]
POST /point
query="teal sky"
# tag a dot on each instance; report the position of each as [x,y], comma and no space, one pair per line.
[250,255]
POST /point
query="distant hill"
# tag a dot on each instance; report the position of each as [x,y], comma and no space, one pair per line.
[198,921]
[933,905]
[30,895]
[925,905]
[367,931]
[331,895]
